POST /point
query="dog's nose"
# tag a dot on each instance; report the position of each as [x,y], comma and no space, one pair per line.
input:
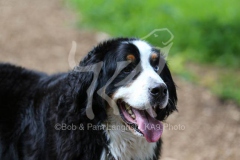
[158,91]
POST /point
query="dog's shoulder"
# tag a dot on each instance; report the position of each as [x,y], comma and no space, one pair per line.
[10,74]
[16,82]
[16,85]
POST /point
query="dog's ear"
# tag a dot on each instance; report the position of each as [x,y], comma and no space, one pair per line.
[92,58]
[98,53]
[165,74]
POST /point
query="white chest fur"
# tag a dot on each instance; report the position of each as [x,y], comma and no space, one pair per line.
[124,145]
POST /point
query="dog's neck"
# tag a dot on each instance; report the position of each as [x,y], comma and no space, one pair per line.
[123,145]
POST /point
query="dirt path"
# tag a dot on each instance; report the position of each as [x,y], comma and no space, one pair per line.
[38,35]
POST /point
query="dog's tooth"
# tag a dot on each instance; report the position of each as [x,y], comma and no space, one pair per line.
[127,106]
[130,111]
[133,116]
[151,112]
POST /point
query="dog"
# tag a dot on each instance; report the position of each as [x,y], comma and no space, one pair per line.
[110,106]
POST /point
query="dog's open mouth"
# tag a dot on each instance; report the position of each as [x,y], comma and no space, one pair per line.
[141,122]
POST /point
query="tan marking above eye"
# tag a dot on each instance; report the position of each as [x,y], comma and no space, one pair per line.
[131,58]
[154,56]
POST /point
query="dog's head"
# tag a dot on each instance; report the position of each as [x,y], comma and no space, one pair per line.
[135,83]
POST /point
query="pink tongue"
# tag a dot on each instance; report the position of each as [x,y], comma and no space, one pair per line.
[149,126]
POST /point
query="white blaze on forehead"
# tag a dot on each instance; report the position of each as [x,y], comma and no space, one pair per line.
[144,48]
[145,52]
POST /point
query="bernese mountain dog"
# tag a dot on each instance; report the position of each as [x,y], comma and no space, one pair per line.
[111,106]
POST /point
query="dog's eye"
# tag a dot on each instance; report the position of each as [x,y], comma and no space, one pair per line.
[127,70]
[156,68]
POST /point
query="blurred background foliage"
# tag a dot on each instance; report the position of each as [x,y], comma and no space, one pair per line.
[206,44]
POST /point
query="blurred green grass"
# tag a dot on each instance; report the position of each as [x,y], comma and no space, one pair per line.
[205,32]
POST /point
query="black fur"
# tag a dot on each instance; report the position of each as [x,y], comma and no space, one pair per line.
[32,103]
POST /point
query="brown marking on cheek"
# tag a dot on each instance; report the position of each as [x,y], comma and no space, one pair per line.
[131,58]
[154,57]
